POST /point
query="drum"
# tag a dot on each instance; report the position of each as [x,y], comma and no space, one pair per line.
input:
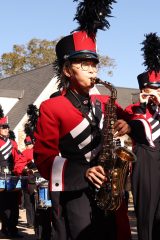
[2,184]
[12,183]
[43,195]
[39,180]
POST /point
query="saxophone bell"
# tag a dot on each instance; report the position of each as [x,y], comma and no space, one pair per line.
[125,154]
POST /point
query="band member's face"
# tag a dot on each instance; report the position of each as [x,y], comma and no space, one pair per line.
[151,91]
[150,94]
[4,132]
[81,73]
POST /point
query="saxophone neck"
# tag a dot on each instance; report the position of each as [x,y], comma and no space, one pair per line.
[106,84]
[99,81]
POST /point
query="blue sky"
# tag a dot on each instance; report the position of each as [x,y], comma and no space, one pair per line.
[22,20]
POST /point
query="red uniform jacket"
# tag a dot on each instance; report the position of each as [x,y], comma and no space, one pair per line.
[10,156]
[66,144]
[144,123]
[28,154]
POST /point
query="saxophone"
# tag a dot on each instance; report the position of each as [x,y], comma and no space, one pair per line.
[115,160]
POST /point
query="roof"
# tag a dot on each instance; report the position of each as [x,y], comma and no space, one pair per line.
[125,96]
[27,87]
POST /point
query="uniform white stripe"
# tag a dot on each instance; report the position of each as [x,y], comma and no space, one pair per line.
[88,156]
[150,120]
[4,146]
[92,154]
[155,124]
[148,132]
[7,149]
[56,179]
[153,117]
[156,134]
[88,139]
[79,128]
[85,142]
[90,114]
[101,122]
[7,155]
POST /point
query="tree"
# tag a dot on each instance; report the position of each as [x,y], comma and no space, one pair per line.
[35,53]
[107,63]
[13,62]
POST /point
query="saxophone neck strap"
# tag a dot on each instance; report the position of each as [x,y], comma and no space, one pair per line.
[83,105]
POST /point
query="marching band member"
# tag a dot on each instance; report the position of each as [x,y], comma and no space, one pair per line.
[38,216]
[29,191]
[9,200]
[145,125]
[68,136]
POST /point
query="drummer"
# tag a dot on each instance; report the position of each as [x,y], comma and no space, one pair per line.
[36,217]
[29,192]
[9,200]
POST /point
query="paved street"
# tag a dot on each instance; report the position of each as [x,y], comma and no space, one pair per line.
[29,233]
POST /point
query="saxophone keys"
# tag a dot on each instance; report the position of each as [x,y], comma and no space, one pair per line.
[112,122]
[115,173]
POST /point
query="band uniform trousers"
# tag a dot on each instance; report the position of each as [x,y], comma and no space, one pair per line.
[43,229]
[29,205]
[146,192]
[73,216]
[9,210]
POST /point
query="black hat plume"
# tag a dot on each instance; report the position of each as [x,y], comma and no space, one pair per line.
[12,135]
[91,15]
[30,125]
[1,112]
[151,52]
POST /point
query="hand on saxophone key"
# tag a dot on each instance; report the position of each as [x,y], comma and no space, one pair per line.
[121,128]
[96,175]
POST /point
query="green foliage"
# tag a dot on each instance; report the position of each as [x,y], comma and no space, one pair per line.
[35,53]
[107,63]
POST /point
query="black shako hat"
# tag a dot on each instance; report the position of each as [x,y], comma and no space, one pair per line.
[149,79]
[151,48]
[77,45]
[81,43]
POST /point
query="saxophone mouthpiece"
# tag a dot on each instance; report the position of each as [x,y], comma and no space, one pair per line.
[95,80]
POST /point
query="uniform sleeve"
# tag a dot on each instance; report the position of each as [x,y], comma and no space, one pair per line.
[122,114]
[140,127]
[46,140]
[19,159]
[28,154]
